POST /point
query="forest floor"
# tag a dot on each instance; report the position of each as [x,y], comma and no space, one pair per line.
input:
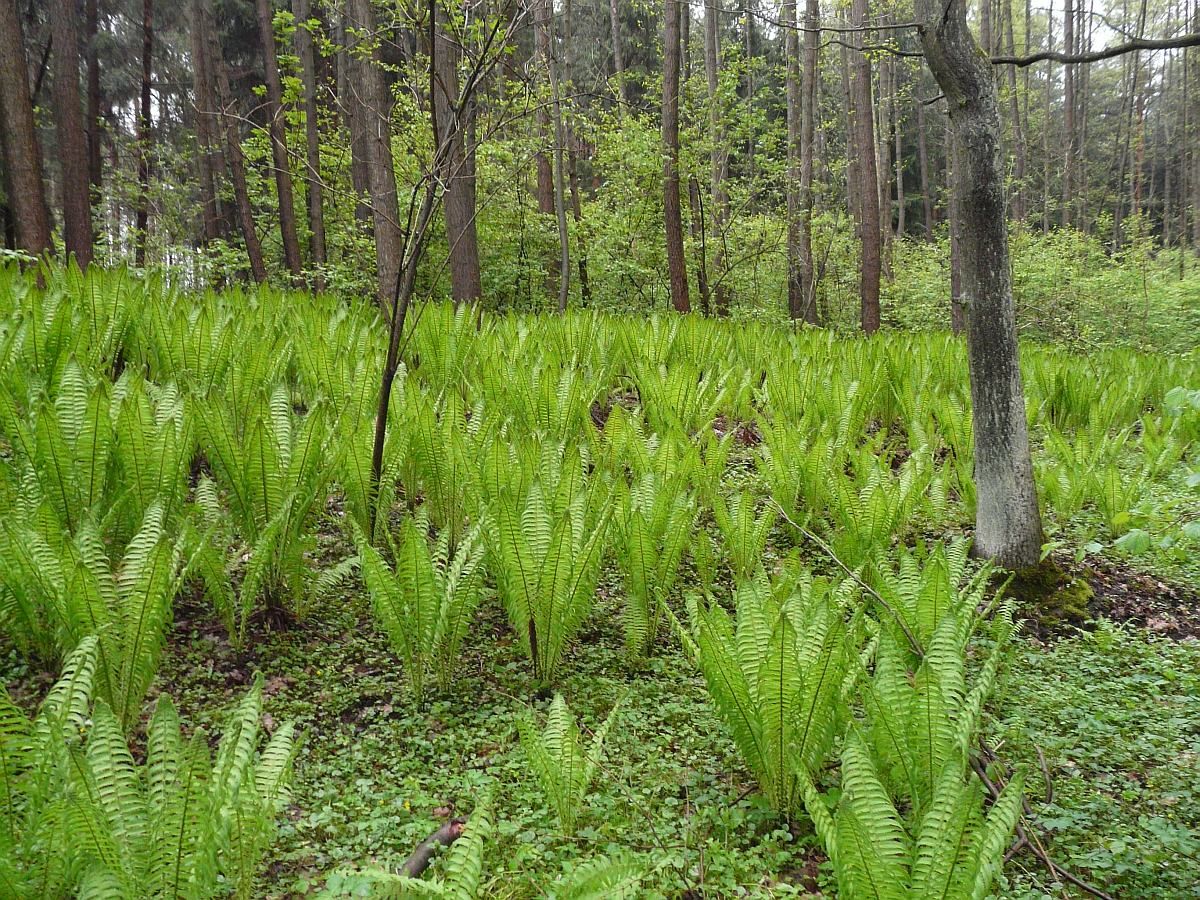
[1106,712]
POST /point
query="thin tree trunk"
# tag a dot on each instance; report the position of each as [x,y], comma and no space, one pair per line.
[278,131]
[202,92]
[315,192]
[1018,134]
[233,145]
[1046,127]
[1008,526]
[718,160]
[672,214]
[560,205]
[923,167]
[1068,176]
[750,49]
[585,289]
[808,107]
[898,133]
[618,58]
[697,227]
[543,12]
[70,133]
[458,202]
[376,110]
[95,169]
[958,313]
[791,52]
[351,107]
[22,156]
[864,134]
[144,135]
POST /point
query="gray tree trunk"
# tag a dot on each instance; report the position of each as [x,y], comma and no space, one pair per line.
[70,133]
[672,213]
[1008,526]
[278,132]
[312,140]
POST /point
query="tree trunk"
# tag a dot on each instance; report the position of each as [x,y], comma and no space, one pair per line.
[808,109]
[351,107]
[376,111]
[543,12]
[278,132]
[22,156]
[560,205]
[1008,527]
[864,143]
[95,169]
[923,167]
[1018,134]
[202,97]
[958,314]
[618,58]
[898,136]
[144,134]
[458,202]
[233,146]
[312,140]
[718,160]
[672,214]
[791,53]
[70,133]
[585,290]
[1069,136]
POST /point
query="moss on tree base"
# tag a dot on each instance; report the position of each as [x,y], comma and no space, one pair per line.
[1050,597]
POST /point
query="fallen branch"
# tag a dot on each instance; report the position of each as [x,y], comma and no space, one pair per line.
[423,855]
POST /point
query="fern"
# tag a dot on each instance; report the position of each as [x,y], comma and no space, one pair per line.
[654,529]
[559,761]
[775,678]
[427,601]
[745,532]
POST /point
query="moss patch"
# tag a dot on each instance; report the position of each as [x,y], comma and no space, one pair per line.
[1050,599]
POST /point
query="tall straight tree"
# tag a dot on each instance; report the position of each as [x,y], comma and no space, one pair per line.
[302,10]
[278,131]
[458,202]
[233,144]
[202,93]
[719,154]
[795,279]
[91,19]
[376,110]
[1008,527]
[144,134]
[863,135]
[543,11]
[672,213]
[1070,136]
[69,132]
[808,114]
[22,157]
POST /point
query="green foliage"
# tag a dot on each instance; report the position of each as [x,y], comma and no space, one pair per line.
[559,761]
[427,601]
[776,676]
[83,817]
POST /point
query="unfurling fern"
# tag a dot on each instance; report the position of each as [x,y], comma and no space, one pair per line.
[776,677]
[653,529]
[545,550]
[557,757]
[461,868]
[427,602]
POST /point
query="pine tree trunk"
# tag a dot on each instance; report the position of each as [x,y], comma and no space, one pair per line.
[233,147]
[144,134]
[95,169]
[202,93]
[1008,526]
[315,192]
[69,132]
[278,131]
[718,160]
[864,142]
[458,203]
[22,156]
[376,110]
[808,107]
[672,214]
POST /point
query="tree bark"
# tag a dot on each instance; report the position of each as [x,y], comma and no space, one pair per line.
[351,107]
[376,110]
[618,57]
[560,203]
[203,98]
[70,134]
[795,270]
[672,214]
[144,135]
[1008,526]
[864,143]
[312,140]
[95,169]
[808,111]
[233,147]
[22,156]
[1069,135]
[1018,134]
[718,160]
[458,202]
[543,11]
[279,153]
